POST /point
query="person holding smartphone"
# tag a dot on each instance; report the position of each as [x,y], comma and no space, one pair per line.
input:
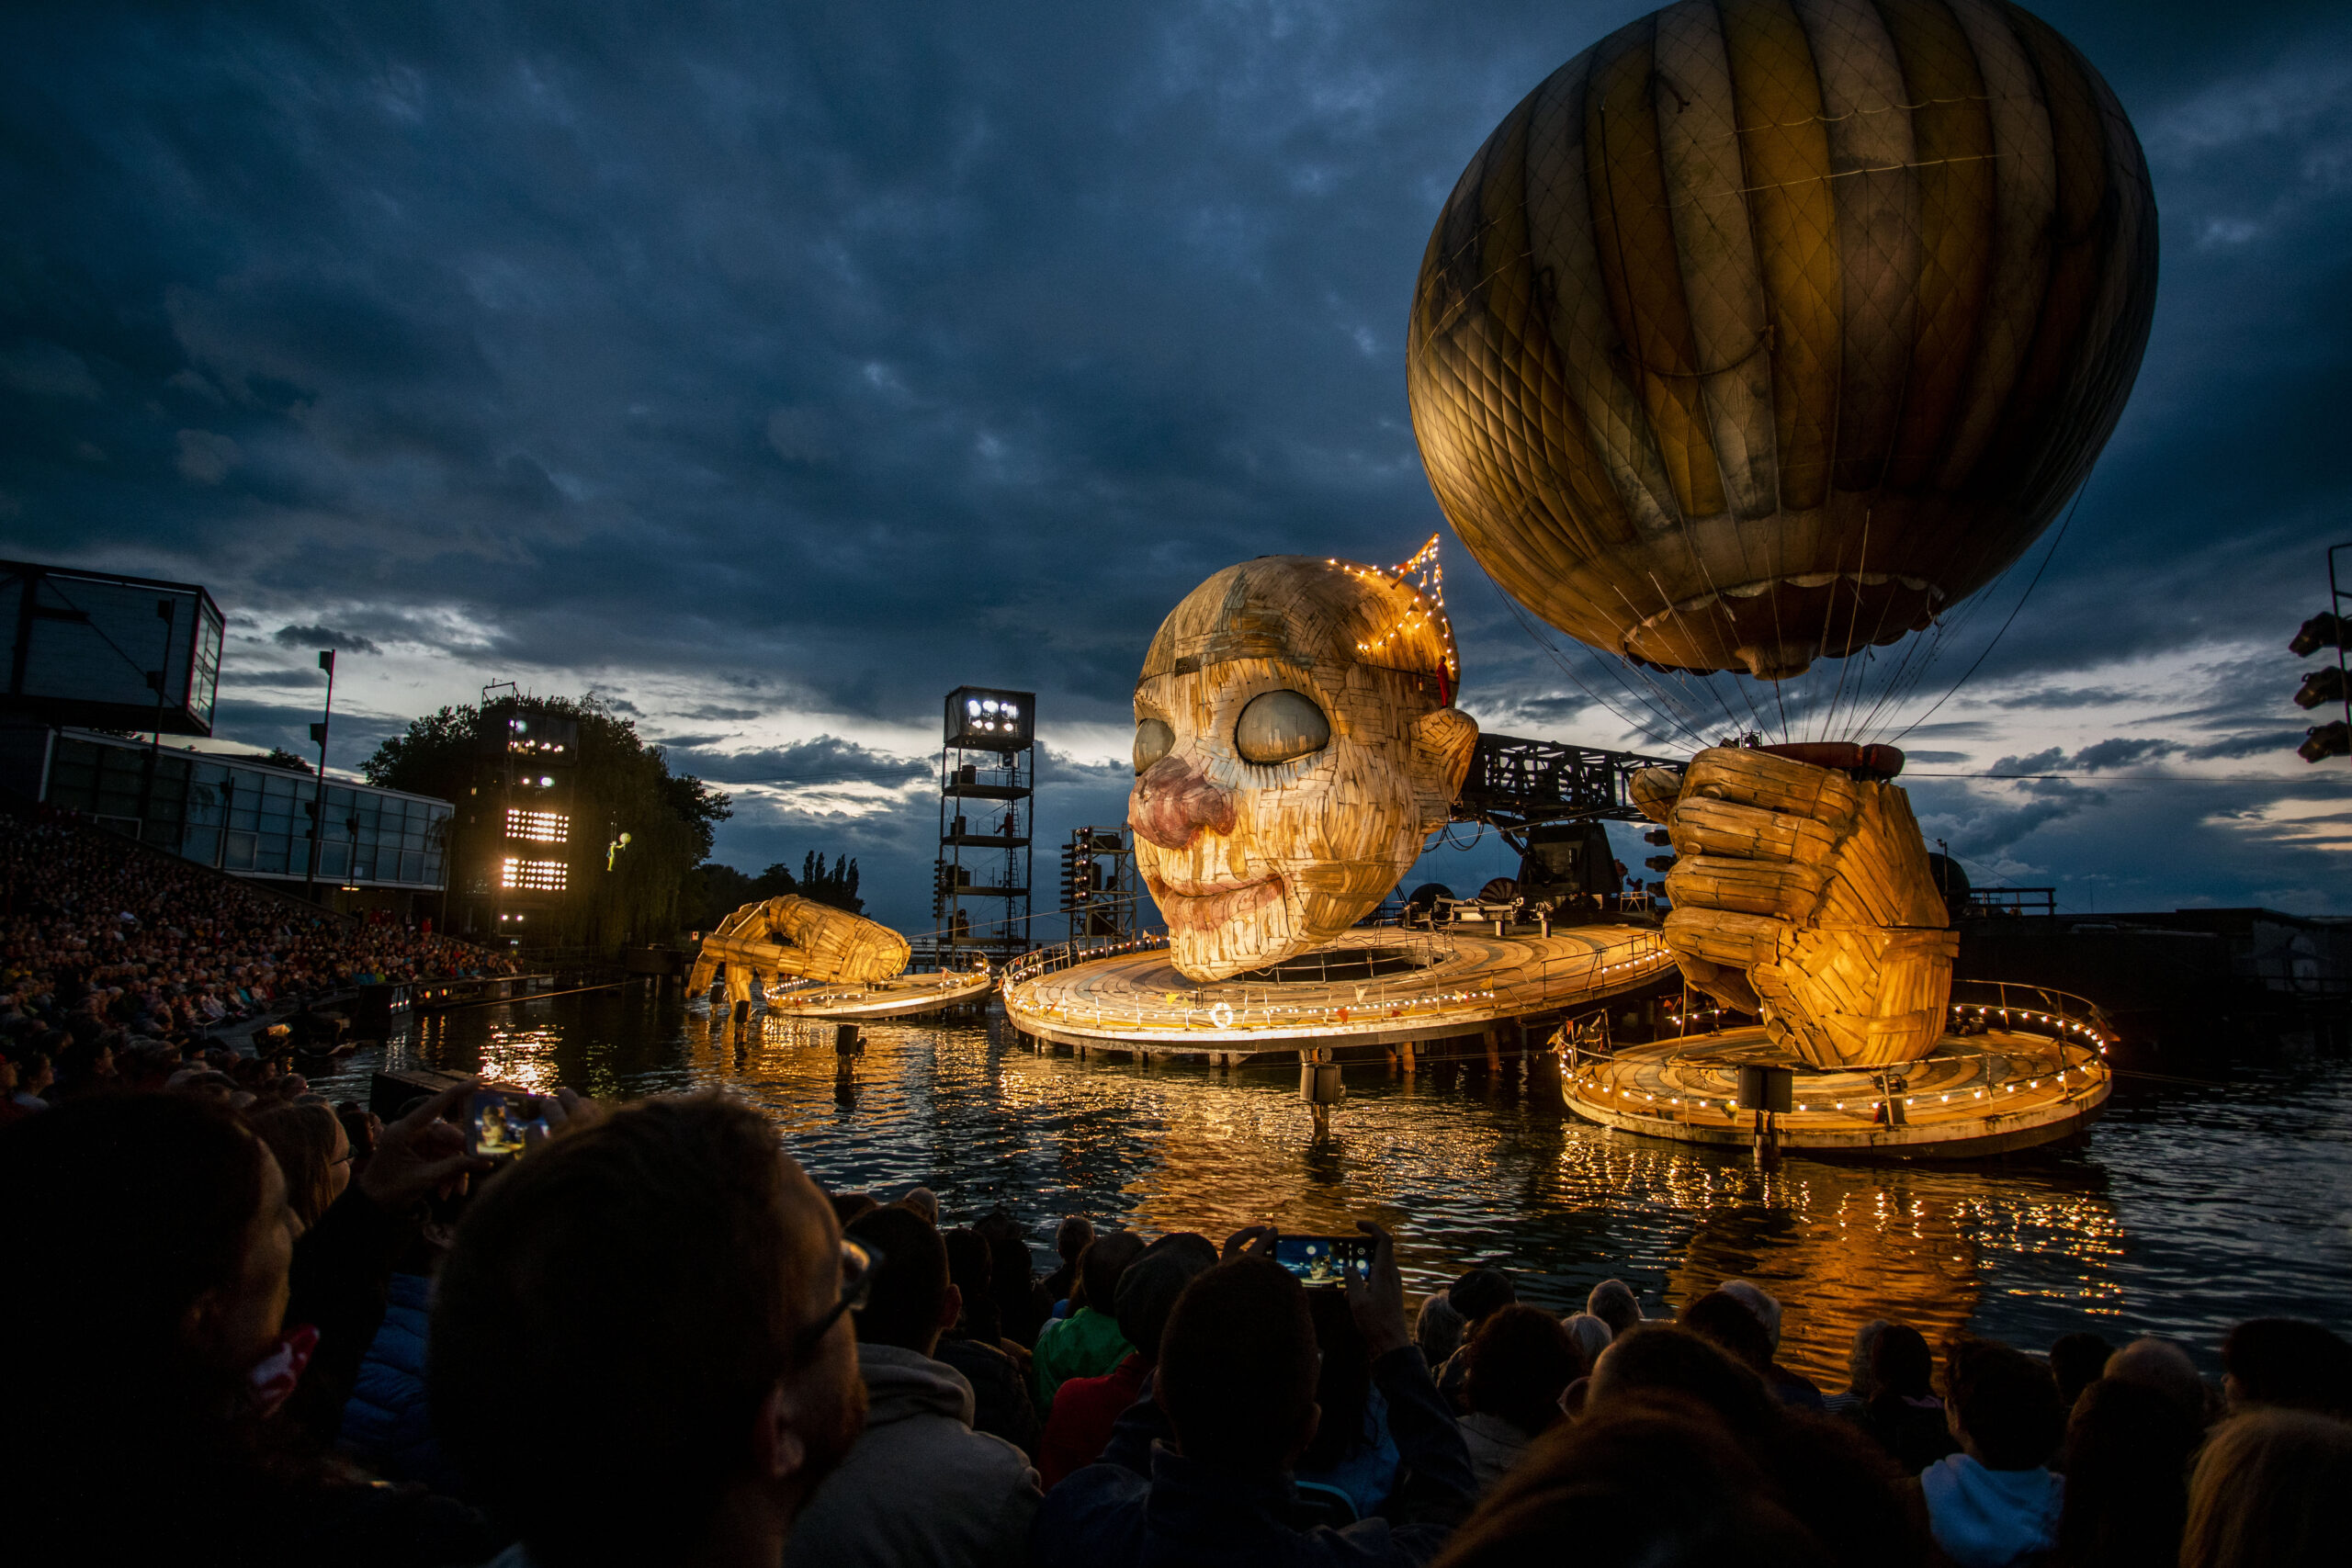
[1200,1472]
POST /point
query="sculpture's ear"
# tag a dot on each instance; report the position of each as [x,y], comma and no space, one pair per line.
[1442,742]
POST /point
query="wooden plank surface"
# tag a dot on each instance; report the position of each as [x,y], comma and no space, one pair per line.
[1140,1001]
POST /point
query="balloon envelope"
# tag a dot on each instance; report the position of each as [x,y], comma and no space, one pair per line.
[1769,329]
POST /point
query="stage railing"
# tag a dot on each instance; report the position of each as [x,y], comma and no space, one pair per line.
[2030,1010]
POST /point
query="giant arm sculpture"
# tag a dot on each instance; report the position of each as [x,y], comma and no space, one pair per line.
[798,937]
[1802,893]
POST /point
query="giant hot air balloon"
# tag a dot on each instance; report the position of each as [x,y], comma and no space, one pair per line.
[1765,329]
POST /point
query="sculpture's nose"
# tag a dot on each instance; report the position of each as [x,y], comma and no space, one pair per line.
[1171,804]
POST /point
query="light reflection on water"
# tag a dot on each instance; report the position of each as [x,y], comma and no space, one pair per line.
[2191,1208]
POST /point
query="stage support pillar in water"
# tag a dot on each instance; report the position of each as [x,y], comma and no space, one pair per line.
[1319,1086]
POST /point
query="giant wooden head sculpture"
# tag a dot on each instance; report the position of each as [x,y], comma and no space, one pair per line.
[1296,742]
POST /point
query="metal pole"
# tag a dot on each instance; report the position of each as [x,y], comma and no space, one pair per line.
[318,790]
[167,613]
[2335,608]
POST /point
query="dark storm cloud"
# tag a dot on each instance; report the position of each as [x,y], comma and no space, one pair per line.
[355,738]
[2122,751]
[2119,752]
[326,636]
[2253,743]
[818,360]
[824,761]
[2065,698]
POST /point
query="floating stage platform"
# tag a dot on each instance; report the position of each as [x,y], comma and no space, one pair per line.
[1374,991]
[2041,1080]
[863,1002]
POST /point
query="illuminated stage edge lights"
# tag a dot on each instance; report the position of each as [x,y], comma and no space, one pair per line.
[905,996]
[2037,1079]
[1128,998]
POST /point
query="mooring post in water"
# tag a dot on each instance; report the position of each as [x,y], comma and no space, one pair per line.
[1319,1086]
[1767,1091]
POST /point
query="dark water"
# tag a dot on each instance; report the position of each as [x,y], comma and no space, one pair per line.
[2190,1208]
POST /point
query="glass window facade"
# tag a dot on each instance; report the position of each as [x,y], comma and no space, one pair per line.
[250,819]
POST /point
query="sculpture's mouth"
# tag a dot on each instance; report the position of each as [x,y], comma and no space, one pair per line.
[1196,907]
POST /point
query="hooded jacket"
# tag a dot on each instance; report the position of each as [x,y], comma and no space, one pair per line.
[1990,1518]
[918,1488]
[1000,1397]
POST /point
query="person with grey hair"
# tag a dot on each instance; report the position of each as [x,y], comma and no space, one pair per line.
[1591,1337]
[1614,1302]
[1789,1387]
[1859,1385]
[1436,1328]
[1759,1301]
[2163,1367]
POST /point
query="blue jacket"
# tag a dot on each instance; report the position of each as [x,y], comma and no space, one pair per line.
[385,1422]
[1144,1506]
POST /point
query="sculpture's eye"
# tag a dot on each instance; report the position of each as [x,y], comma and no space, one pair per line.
[1154,740]
[1279,726]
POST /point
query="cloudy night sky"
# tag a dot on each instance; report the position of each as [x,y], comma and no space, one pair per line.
[769,370]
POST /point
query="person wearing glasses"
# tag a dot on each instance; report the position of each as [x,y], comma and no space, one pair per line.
[640,1345]
[921,1489]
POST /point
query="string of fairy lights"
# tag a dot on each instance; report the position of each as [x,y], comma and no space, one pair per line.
[1175,1012]
[2071,1077]
[1423,577]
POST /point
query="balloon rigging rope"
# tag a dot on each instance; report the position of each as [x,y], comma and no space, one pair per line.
[1911,675]
[1920,656]
[2046,556]
[1662,719]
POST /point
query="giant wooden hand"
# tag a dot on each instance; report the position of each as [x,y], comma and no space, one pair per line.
[1804,896]
[798,937]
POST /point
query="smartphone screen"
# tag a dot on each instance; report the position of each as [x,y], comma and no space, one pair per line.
[499,1119]
[1323,1259]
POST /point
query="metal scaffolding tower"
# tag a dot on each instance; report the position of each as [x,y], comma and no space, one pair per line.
[1101,892]
[987,786]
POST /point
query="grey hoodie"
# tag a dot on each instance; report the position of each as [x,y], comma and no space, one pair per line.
[918,1488]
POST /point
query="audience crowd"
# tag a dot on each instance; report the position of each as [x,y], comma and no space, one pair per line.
[250,1327]
[99,937]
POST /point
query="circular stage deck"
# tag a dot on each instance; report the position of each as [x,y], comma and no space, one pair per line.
[1372,988]
[899,998]
[1975,1095]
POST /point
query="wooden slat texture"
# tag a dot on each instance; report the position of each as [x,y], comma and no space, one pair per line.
[1254,862]
[796,937]
[1139,1001]
[1804,894]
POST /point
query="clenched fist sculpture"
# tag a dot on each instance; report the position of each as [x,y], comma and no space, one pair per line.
[798,937]
[1802,893]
